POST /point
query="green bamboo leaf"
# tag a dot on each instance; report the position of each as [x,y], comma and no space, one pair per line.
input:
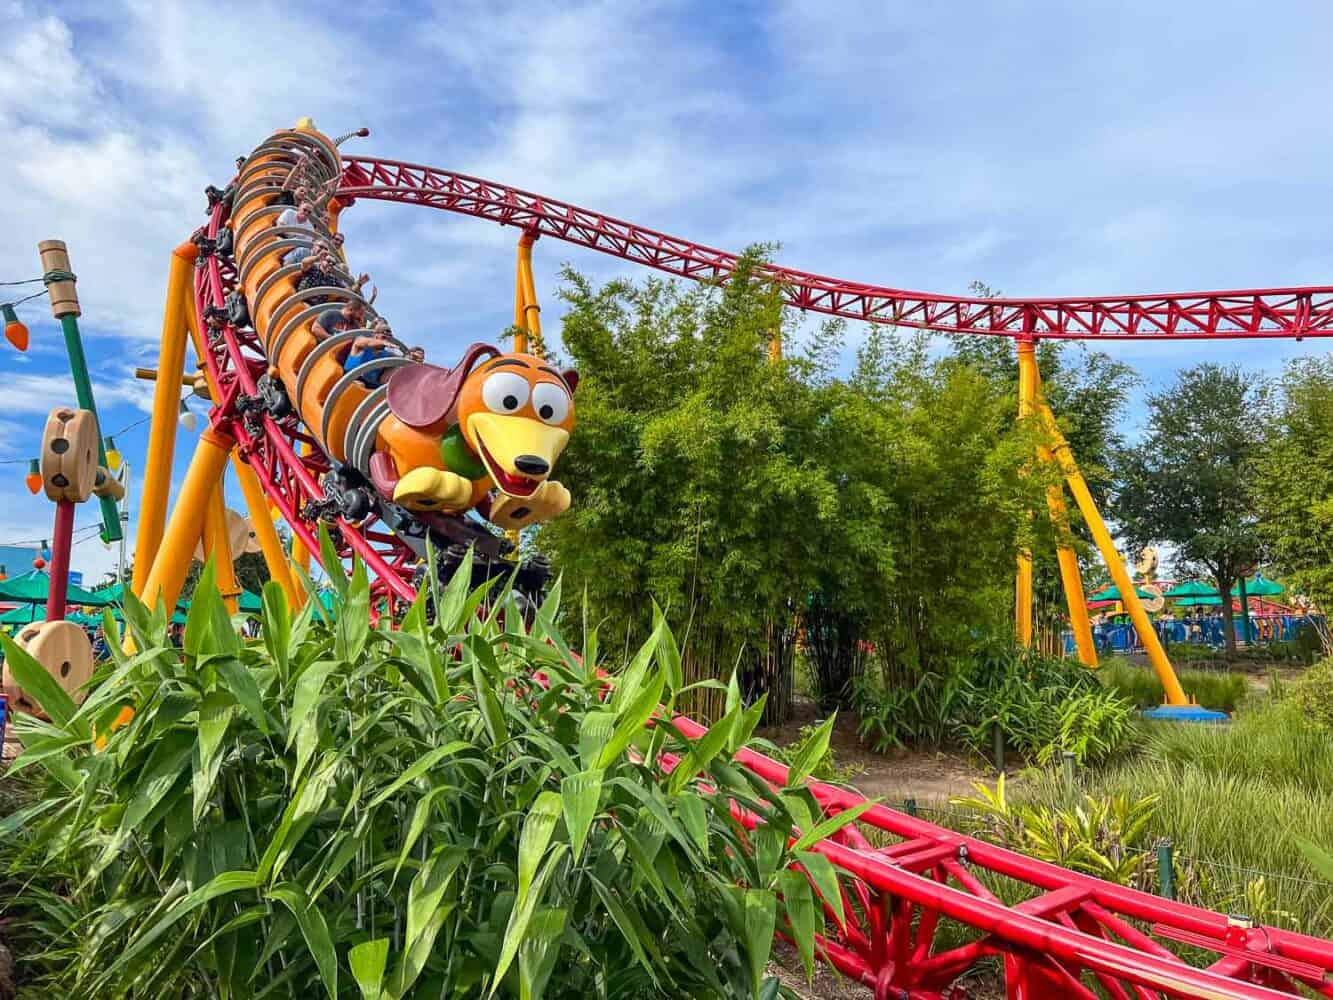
[702,751]
[812,753]
[825,878]
[452,611]
[277,627]
[580,794]
[630,680]
[745,725]
[830,826]
[244,688]
[368,960]
[636,935]
[428,889]
[799,901]
[37,684]
[297,817]
[594,732]
[420,816]
[668,653]
[414,958]
[633,719]
[182,906]
[331,564]
[306,697]
[165,765]
[199,617]
[521,914]
[423,764]
[538,826]
[760,915]
[315,931]
[539,951]
[694,817]
[353,626]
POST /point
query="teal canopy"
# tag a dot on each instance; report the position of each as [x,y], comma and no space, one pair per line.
[1259,587]
[1113,594]
[32,587]
[1191,588]
[26,614]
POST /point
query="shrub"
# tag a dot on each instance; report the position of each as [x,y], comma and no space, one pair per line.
[408,806]
[1217,689]
[1314,694]
[1103,836]
[828,768]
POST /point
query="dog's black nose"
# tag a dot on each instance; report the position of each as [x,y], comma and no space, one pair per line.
[532,465]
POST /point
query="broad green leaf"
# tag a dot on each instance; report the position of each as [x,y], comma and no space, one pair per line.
[491,713]
[521,914]
[812,753]
[702,751]
[830,826]
[694,817]
[668,653]
[538,826]
[215,713]
[630,681]
[414,958]
[368,960]
[296,818]
[761,912]
[633,718]
[332,565]
[428,889]
[594,733]
[631,929]
[277,627]
[353,626]
[36,683]
[580,794]
[306,697]
[539,951]
[165,765]
[315,931]
[799,901]
[1320,860]
[199,617]
[420,816]
[244,688]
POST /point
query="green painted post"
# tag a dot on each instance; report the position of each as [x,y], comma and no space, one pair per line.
[83,388]
[997,741]
[909,806]
[1166,873]
[1070,764]
[1244,611]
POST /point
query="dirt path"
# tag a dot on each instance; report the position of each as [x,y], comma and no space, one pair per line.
[929,777]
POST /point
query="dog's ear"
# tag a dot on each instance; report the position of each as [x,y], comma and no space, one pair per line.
[423,396]
[571,378]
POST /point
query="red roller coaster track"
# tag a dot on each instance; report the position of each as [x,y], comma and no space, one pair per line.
[903,879]
[1267,312]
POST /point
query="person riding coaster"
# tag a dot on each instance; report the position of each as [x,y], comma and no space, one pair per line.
[452,435]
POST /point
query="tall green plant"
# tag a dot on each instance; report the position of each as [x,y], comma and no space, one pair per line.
[459,807]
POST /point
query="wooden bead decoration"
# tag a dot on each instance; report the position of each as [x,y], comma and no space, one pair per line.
[69,455]
[63,649]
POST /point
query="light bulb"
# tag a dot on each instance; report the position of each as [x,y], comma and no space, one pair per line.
[46,550]
[112,455]
[15,332]
[34,476]
[187,418]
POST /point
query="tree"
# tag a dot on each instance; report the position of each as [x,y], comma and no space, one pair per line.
[1294,482]
[1191,481]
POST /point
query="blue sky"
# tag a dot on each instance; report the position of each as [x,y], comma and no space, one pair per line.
[1045,148]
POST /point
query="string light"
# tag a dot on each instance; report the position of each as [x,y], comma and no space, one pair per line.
[113,458]
[34,476]
[46,549]
[187,418]
[15,332]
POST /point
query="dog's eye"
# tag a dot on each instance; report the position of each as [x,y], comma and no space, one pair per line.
[504,392]
[551,402]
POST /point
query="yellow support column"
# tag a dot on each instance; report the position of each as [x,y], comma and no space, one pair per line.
[1175,694]
[217,546]
[1070,575]
[1027,395]
[532,312]
[167,575]
[166,408]
[269,543]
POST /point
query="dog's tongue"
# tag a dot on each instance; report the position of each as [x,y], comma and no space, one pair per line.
[517,485]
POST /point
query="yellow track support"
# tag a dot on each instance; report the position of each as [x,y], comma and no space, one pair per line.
[166,407]
[217,546]
[1027,395]
[1175,694]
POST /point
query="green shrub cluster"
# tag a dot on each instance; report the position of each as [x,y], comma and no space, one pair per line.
[1217,689]
[1314,694]
[1044,706]
[456,808]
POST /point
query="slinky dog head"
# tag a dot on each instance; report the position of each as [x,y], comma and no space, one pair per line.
[515,411]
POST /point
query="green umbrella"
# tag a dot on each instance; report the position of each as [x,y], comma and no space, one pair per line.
[114,593]
[1202,601]
[1260,587]
[250,603]
[1191,588]
[1113,594]
[24,614]
[32,587]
